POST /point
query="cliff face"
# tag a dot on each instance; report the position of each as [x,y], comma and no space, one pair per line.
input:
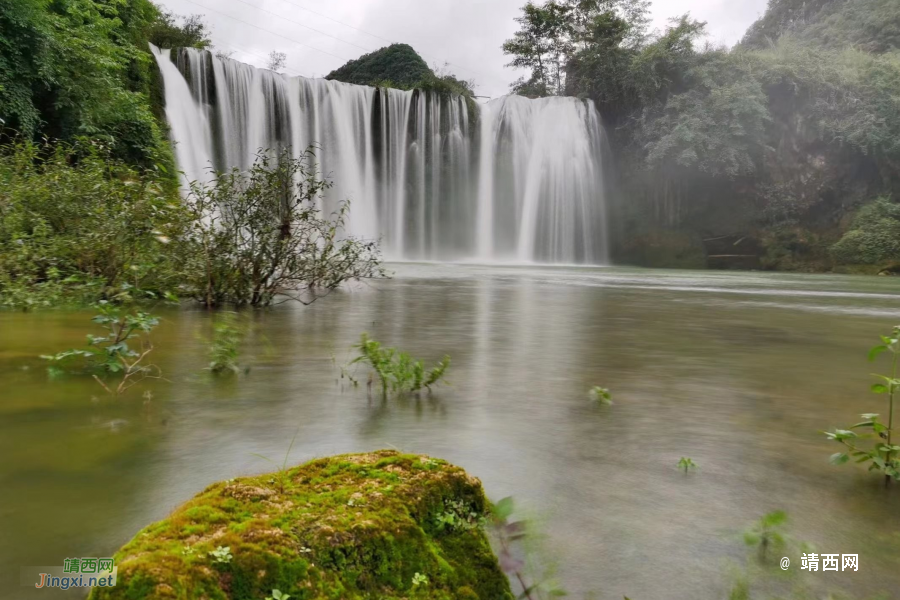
[380,525]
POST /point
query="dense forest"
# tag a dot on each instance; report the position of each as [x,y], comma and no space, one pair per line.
[780,153]
[82,68]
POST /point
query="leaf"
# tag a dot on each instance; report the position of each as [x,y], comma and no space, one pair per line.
[839,458]
[874,352]
[879,388]
[775,518]
[503,508]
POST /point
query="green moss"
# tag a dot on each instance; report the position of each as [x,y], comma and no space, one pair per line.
[347,527]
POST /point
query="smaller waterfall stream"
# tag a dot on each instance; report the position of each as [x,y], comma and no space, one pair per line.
[433,177]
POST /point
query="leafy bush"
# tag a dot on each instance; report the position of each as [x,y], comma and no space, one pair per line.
[112,353]
[874,236]
[82,68]
[882,453]
[258,235]
[397,371]
[224,349]
[78,225]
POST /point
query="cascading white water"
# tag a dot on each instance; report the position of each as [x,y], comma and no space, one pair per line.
[433,178]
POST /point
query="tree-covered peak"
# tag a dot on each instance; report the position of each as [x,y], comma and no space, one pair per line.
[398,64]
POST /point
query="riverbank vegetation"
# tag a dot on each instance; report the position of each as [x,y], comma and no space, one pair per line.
[79,68]
[767,155]
[78,225]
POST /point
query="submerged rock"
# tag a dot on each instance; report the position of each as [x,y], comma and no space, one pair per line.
[382,525]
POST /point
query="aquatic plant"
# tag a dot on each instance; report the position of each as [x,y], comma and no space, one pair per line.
[113,353]
[884,454]
[766,533]
[686,464]
[397,371]
[224,349]
[600,395]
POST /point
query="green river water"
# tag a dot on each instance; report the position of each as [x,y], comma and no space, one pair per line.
[740,371]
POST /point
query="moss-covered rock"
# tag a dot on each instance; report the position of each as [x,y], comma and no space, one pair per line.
[380,525]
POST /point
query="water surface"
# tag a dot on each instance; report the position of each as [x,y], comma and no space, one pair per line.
[740,371]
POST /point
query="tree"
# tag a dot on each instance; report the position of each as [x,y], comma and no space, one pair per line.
[258,237]
[276,61]
[542,45]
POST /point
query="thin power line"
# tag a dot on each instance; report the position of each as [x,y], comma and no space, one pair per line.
[245,51]
[304,26]
[267,30]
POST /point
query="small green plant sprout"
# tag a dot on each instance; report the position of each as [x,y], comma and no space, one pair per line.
[419,579]
[221,555]
[224,349]
[457,516]
[278,595]
[766,534]
[600,395]
[282,470]
[122,350]
[397,371]
[687,464]
[883,454]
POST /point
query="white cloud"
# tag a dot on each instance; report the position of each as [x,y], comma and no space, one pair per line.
[465,33]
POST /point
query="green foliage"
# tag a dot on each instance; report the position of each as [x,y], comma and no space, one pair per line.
[807,106]
[717,127]
[397,63]
[82,68]
[77,225]
[225,347]
[601,395]
[114,353]
[258,237]
[874,236]
[278,595]
[686,464]
[767,534]
[168,30]
[871,25]
[221,555]
[397,371]
[883,455]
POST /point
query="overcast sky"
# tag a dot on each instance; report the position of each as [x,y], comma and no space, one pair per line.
[320,35]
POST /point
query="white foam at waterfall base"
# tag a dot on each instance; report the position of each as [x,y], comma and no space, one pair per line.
[513,180]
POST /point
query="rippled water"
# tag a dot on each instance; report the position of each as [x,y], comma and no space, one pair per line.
[739,371]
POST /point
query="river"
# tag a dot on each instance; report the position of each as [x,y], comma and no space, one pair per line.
[739,371]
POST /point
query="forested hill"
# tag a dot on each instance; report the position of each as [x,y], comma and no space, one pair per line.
[872,26]
[397,64]
[773,154]
[400,66]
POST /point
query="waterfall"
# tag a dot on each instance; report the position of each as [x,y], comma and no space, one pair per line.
[433,177]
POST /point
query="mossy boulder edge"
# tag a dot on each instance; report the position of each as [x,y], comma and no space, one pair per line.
[379,525]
